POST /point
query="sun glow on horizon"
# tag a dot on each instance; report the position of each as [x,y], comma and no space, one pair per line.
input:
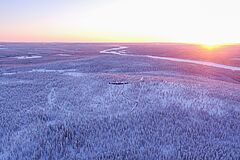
[210,23]
[211,46]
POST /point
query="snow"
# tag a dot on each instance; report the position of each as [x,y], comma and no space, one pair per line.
[64,55]
[40,70]
[75,74]
[9,73]
[28,57]
[87,117]
[2,47]
[117,51]
[51,70]
[51,98]
[114,51]
[237,59]
[72,110]
[210,64]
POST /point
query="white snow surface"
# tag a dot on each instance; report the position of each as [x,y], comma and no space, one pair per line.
[51,70]
[74,110]
[237,59]
[2,47]
[64,55]
[41,70]
[28,57]
[9,73]
[117,51]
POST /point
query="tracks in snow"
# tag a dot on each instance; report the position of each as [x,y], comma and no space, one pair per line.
[51,98]
[139,95]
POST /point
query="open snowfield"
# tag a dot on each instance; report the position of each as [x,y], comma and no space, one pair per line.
[118,101]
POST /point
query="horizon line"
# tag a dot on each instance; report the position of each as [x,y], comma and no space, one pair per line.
[112,42]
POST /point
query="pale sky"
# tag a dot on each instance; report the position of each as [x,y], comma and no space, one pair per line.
[191,21]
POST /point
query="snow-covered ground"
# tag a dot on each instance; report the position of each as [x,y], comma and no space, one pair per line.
[117,51]
[2,47]
[237,59]
[118,107]
[28,57]
[64,55]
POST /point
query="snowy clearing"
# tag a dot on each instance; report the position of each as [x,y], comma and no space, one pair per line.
[28,57]
[64,55]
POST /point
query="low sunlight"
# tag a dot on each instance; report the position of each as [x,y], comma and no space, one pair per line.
[120,79]
[186,21]
[212,46]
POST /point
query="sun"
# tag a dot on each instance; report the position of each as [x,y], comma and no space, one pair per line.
[211,45]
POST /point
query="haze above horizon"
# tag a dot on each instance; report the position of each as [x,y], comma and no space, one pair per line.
[207,22]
